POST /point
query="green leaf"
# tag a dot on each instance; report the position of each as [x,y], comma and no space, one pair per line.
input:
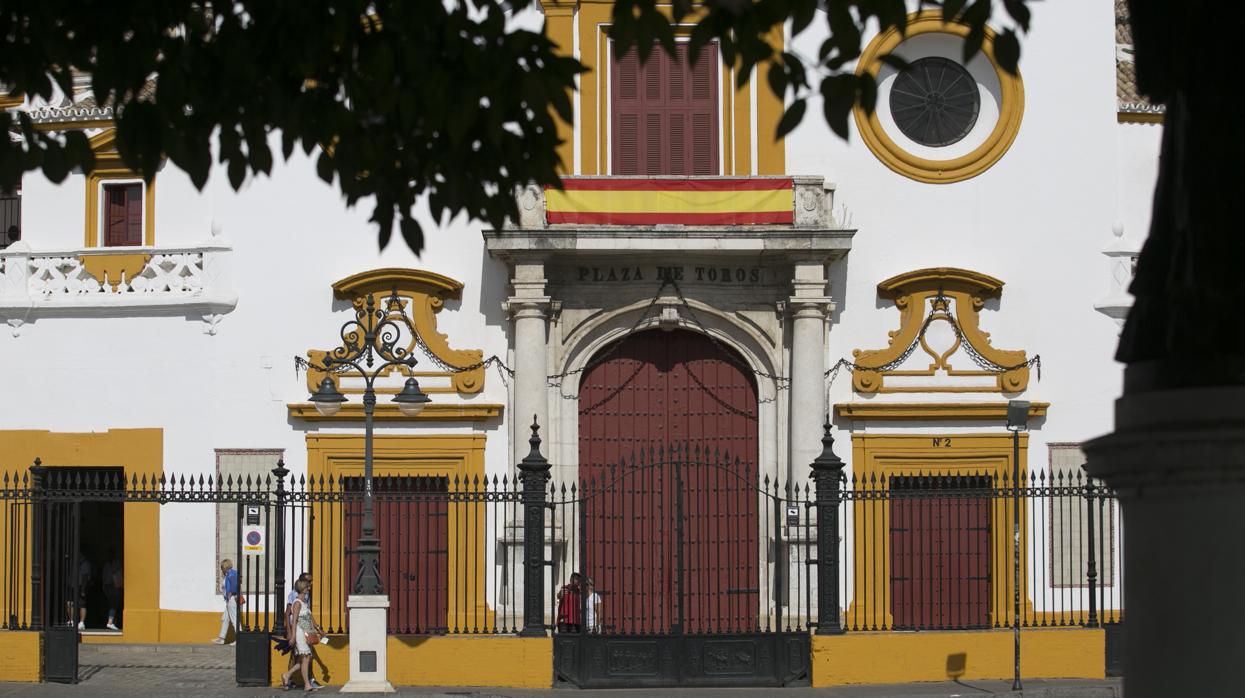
[1007,51]
[1019,11]
[791,118]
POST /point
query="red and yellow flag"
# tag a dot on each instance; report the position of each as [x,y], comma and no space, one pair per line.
[718,201]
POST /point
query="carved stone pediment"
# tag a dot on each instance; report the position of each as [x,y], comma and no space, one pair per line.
[421,295]
[939,318]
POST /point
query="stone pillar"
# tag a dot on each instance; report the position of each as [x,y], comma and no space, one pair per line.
[1177,459]
[529,307]
[369,657]
[809,306]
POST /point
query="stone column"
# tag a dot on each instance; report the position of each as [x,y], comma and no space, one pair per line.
[529,306]
[809,306]
[1177,459]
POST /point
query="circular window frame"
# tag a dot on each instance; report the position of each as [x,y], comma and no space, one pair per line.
[958,169]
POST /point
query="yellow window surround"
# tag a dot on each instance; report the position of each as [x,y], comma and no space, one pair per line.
[593,98]
[110,168]
[459,458]
[878,457]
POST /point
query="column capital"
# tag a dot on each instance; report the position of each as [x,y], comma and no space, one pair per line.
[817,307]
[527,306]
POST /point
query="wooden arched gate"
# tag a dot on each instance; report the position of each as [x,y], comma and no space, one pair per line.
[674,527]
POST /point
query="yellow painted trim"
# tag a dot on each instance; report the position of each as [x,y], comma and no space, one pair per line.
[865,411]
[922,169]
[388,412]
[108,166]
[560,29]
[422,295]
[1139,118]
[82,125]
[21,656]
[140,452]
[878,457]
[736,134]
[911,293]
[114,267]
[771,153]
[460,456]
[11,101]
[886,658]
[655,201]
[421,660]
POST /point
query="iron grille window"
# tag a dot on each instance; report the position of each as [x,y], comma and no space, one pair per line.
[935,101]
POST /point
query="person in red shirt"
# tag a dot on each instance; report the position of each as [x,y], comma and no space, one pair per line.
[569,605]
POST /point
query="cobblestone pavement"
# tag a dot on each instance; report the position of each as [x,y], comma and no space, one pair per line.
[156,671]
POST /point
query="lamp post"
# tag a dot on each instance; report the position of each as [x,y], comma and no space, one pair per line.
[370,346]
[1017,421]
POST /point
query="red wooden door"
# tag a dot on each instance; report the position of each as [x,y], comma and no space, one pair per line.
[412,523]
[940,552]
[668,424]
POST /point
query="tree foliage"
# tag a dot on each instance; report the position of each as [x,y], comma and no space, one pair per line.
[403,100]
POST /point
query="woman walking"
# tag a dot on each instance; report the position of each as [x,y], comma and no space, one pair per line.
[228,589]
[304,626]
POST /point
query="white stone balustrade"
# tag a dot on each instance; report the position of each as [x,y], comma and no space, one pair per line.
[1122,252]
[190,280]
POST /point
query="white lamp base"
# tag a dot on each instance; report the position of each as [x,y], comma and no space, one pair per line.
[369,660]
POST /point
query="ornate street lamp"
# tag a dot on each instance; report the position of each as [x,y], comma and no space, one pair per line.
[370,346]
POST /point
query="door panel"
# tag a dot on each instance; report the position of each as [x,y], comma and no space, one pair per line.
[654,392]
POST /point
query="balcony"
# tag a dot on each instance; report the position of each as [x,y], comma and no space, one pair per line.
[712,214]
[116,282]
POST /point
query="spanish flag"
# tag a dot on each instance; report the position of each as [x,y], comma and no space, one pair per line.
[717,201]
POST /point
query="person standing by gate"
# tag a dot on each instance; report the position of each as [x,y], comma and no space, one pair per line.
[112,588]
[228,589]
[569,600]
[592,608]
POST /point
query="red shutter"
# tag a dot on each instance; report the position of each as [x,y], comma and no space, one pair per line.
[134,214]
[123,215]
[676,108]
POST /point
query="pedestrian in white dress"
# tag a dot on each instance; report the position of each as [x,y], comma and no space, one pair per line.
[304,625]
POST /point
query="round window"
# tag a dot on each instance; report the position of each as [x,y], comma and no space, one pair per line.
[935,101]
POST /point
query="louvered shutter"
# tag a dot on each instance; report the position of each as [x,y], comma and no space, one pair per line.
[123,215]
[664,114]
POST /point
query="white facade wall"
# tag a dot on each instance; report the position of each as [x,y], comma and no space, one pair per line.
[1038,220]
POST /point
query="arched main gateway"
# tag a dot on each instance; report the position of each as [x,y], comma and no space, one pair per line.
[693,328]
[668,468]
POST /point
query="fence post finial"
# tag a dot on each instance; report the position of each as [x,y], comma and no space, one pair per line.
[534,473]
[827,475]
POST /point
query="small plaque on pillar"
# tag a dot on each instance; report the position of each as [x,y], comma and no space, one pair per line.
[367,661]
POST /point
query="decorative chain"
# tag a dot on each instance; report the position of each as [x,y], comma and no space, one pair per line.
[945,314]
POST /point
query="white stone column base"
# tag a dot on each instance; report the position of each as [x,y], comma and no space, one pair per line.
[368,634]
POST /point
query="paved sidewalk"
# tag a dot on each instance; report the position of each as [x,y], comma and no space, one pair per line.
[207,671]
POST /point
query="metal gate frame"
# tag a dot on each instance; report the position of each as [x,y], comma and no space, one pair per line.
[54,500]
[778,655]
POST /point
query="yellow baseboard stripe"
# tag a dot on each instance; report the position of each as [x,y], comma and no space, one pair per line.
[906,657]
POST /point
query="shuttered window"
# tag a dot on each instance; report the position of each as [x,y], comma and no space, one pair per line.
[123,215]
[664,113]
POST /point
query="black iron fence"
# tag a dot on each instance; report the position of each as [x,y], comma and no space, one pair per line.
[689,544]
[937,550]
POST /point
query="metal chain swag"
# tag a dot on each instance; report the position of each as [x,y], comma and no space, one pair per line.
[556,380]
